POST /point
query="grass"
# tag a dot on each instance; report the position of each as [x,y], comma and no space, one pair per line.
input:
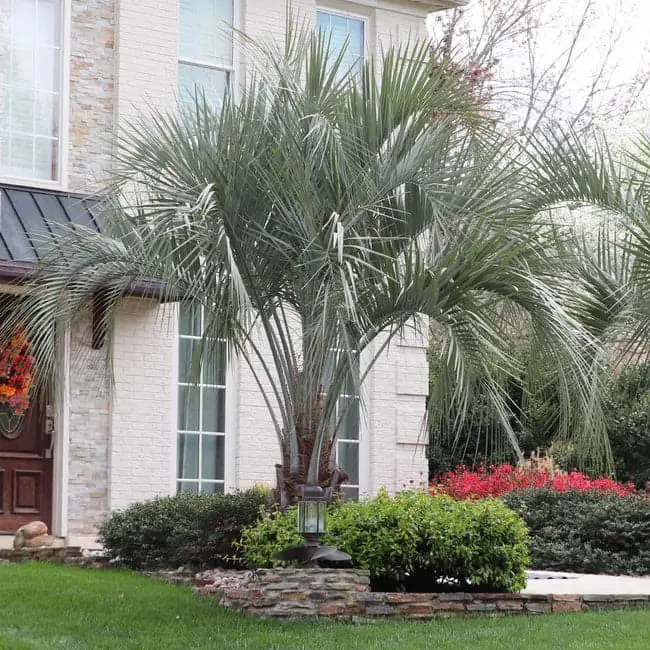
[43,606]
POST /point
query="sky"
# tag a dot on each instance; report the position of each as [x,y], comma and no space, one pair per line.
[624,87]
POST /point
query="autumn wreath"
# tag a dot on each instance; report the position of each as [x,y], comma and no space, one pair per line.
[16,373]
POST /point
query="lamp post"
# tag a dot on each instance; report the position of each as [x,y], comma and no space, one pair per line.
[312,524]
[312,513]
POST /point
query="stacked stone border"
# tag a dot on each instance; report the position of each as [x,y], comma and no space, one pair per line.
[58,554]
[69,555]
[344,594]
[341,594]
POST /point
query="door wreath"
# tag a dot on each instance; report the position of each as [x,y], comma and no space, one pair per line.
[16,374]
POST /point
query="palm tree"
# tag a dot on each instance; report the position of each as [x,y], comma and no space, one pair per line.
[315,218]
[614,268]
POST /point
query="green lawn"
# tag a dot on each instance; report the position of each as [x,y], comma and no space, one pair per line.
[52,607]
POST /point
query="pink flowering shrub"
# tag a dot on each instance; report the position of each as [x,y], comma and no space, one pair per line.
[496,480]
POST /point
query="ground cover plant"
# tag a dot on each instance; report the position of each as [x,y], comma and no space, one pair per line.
[45,607]
[412,542]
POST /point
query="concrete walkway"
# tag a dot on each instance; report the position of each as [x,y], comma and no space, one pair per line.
[552,582]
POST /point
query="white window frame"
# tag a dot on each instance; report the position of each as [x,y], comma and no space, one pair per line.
[226,482]
[236,61]
[350,441]
[60,183]
[329,9]
[360,441]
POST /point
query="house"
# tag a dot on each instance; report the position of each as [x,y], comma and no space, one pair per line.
[71,73]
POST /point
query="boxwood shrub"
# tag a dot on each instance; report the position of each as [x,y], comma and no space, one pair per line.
[412,542]
[191,530]
[586,532]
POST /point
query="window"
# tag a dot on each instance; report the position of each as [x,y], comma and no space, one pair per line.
[201,408]
[341,28]
[206,49]
[30,88]
[347,440]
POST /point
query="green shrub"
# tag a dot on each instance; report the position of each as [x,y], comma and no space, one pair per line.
[627,408]
[586,532]
[189,530]
[481,438]
[413,542]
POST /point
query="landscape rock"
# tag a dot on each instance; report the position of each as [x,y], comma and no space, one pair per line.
[37,542]
[33,530]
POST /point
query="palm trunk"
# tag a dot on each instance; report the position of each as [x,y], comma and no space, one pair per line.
[289,482]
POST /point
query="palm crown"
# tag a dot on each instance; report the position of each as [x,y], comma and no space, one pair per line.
[314,219]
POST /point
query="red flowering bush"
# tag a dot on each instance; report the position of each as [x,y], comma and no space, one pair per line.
[496,480]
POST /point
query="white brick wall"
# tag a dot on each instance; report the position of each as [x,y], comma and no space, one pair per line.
[123,441]
[146,46]
[143,417]
[397,389]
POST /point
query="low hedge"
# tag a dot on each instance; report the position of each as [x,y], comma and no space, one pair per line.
[412,542]
[586,532]
[195,531]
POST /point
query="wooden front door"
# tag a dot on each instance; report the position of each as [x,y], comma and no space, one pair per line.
[25,470]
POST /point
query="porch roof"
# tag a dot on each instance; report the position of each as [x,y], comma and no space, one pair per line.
[30,216]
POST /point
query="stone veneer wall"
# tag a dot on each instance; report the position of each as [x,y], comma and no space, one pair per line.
[344,594]
[89,400]
[91,96]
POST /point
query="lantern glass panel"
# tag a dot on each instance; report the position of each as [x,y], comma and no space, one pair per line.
[311,517]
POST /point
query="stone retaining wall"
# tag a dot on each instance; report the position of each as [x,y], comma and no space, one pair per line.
[342,594]
[58,554]
[345,594]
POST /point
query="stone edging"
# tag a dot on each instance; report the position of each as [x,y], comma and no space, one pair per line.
[342,594]
[57,554]
[345,595]
[68,555]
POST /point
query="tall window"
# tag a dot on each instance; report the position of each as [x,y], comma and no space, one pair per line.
[30,88]
[201,408]
[341,28]
[206,49]
[347,440]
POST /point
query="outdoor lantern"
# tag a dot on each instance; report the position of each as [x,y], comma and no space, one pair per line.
[312,523]
[312,513]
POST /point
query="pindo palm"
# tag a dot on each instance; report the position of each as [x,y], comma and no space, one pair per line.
[313,219]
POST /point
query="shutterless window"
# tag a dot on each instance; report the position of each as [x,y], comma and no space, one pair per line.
[341,28]
[30,88]
[201,408]
[206,49]
[347,441]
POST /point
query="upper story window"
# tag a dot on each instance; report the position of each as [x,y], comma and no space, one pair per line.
[206,49]
[30,88]
[342,29]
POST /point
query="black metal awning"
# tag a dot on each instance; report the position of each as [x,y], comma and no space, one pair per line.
[29,217]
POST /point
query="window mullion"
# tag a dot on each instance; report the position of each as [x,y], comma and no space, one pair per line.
[209,65]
